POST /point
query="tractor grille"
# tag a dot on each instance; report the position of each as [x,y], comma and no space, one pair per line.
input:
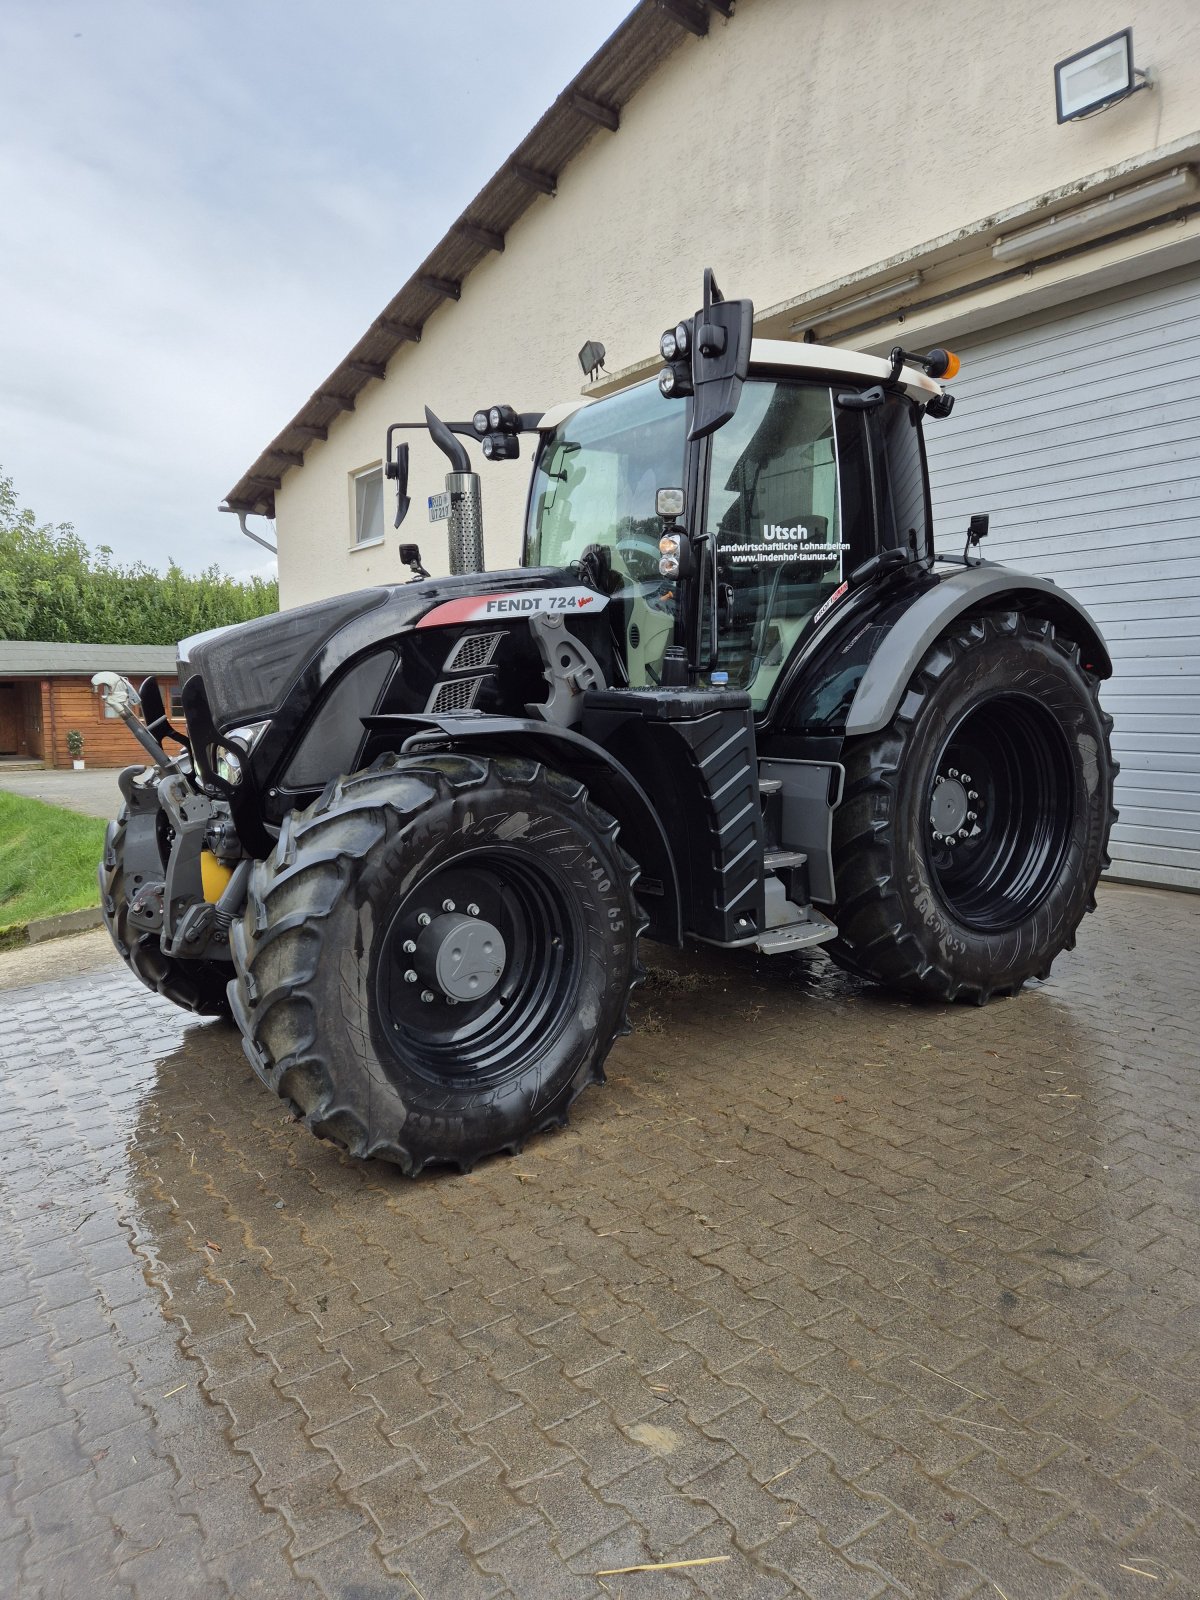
[457,695]
[473,651]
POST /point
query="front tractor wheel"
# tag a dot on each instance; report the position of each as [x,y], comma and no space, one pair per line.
[198,986]
[974,827]
[437,958]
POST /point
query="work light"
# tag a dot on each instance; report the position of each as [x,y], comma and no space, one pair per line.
[480,422]
[668,346]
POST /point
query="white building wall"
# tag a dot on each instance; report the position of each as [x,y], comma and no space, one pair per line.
[803,140]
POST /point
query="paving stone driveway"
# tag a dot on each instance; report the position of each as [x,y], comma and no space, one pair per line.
[855,1296]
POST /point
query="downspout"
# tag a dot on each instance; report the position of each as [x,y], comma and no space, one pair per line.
[266,543]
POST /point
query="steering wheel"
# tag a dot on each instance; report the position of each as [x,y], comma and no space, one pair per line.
[640,557]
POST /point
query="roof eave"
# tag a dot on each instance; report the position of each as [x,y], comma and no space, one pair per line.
[590,103]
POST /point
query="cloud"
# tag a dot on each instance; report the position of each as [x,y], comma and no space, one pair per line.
[202,207]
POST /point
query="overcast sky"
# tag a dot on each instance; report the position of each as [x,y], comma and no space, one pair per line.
[203,203]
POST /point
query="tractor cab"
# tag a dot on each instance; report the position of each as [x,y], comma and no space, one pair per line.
[818,471]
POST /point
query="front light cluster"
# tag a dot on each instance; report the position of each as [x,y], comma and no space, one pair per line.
[496,419]
[670,549]
[234,750]
[675,343]
[498,427]
[675,379]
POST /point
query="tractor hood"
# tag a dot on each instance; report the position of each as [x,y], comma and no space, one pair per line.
[248,669]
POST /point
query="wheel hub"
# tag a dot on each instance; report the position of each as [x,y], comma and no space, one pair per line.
[948,811]
[461,957]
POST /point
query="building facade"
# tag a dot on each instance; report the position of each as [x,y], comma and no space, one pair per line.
[868,174]
[46,693]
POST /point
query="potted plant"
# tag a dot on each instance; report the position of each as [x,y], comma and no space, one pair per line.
[75,749]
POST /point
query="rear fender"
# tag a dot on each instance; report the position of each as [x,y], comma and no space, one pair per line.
[610,784]
[973,590]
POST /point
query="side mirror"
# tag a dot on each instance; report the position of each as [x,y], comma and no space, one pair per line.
[720,358]
[397,469]
[708,358]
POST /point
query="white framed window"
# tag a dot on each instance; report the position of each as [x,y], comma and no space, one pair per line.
[368,506]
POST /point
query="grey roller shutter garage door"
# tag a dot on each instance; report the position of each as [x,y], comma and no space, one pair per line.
[1079,431]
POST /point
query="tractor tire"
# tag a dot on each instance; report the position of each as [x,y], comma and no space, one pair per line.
[974,828]
[357,1004]
[199,986]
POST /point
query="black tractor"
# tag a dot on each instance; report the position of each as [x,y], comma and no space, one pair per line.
[410,837]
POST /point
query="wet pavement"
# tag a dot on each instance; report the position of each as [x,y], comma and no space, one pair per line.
[835,1295]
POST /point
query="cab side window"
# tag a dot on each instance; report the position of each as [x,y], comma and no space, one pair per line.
[775,511]
[902,505]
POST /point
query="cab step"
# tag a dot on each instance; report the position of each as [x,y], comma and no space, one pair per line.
[812,928]
[783,860]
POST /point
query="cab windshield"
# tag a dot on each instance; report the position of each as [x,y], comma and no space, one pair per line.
[774,520]
[593,493]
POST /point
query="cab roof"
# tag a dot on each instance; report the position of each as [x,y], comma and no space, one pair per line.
[768,355]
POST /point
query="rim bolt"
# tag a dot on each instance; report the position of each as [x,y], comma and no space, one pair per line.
[450,1000]
[954,772]
[428,996]
[423,920]
[970,816]
[447,905]
[410,976]
[971,795]
[472,909]
[410,946]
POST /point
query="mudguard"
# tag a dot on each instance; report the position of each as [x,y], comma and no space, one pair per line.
[982,588]
[609,783]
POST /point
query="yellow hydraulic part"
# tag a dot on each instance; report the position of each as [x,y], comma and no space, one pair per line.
[214,875]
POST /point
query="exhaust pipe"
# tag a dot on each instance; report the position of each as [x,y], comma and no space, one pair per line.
[465,530]
[465,493]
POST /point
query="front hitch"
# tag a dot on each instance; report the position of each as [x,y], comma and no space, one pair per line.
[123,700]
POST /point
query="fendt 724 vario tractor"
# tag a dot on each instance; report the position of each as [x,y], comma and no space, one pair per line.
[412,835]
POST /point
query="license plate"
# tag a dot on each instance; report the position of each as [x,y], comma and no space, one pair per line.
[439,507]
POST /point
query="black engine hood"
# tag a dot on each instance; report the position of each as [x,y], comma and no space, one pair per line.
[248,669]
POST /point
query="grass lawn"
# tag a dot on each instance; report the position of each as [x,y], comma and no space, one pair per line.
[48,860]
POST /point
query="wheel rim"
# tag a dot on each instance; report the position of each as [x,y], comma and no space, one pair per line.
[496,909]
[999,812]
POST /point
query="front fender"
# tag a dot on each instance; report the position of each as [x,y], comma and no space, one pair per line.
[982,588]
[608,782]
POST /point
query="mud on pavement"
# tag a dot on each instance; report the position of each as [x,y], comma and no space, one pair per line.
[831,1294]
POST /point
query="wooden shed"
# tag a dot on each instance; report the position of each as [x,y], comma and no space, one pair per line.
[46,692]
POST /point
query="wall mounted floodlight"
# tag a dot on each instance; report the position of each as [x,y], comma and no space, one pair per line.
[591,358]
[1097,77]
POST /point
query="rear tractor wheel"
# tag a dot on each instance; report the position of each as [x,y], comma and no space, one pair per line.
[437,958]
[974,827]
